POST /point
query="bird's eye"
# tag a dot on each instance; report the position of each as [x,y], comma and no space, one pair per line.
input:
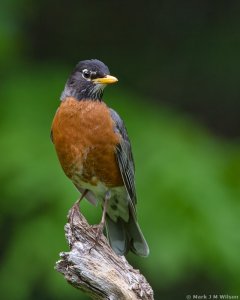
[86,74]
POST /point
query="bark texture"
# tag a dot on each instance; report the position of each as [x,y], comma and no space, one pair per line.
[94,268]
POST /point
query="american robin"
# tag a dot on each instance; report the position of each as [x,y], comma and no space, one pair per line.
[94,150]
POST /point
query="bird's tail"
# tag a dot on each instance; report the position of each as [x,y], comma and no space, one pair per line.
[124,236]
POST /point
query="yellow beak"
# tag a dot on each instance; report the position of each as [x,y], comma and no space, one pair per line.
[105,80]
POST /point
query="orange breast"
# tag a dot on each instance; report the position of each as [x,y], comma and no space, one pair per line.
[85,141]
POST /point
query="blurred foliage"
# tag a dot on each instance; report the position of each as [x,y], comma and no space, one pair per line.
[187,182]
[181,53]
[172,52]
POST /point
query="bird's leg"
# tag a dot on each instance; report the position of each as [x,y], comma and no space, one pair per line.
[102,223]
[76,205]
[82,196]
[105,205]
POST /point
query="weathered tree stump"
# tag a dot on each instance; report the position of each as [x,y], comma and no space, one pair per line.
[94,268]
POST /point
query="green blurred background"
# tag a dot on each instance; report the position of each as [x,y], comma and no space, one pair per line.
[178,92]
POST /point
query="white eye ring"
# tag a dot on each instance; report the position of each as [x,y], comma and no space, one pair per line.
[86,74]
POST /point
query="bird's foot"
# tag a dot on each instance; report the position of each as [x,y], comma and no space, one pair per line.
[99,233]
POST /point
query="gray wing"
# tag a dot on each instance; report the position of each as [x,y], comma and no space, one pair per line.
[125,158]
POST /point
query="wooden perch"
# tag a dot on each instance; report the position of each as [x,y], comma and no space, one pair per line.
[94,268]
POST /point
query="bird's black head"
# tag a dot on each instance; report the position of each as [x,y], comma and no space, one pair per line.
[88,80]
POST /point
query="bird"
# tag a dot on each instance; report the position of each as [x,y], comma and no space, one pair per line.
[94,150]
